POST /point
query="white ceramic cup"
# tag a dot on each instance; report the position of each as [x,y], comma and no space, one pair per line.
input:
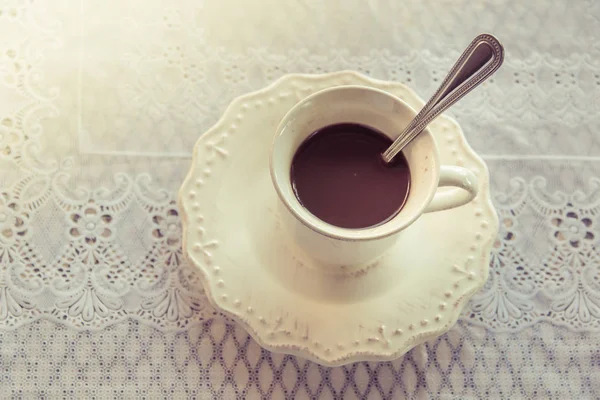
[331,245]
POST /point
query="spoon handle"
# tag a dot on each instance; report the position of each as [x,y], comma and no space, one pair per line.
[477,63]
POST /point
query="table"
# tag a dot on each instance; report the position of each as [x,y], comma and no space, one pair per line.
[100,104]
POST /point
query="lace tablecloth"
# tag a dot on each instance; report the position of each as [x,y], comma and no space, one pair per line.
[100,104]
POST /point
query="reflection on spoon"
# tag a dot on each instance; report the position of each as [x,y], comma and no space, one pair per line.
[478,62]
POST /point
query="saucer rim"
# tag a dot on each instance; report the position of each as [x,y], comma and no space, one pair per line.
[305,351]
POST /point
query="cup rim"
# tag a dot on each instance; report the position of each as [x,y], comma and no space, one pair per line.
[314,223]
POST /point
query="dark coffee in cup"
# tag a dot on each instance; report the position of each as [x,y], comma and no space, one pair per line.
[338,175]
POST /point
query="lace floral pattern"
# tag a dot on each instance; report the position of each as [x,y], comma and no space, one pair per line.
[91,268]
[89,282]
[91,278]
[531,94]
[563,287]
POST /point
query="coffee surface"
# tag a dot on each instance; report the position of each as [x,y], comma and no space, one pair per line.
[339,176]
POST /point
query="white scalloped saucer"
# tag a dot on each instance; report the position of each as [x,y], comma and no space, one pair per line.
[252,273]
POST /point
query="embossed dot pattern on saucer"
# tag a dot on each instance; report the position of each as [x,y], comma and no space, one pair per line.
[233,236]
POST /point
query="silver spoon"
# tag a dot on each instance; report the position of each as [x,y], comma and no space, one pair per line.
[478,62]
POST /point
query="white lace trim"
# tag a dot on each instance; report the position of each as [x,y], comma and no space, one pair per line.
[116,253]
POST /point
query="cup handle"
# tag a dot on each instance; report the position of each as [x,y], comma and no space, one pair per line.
[464,189]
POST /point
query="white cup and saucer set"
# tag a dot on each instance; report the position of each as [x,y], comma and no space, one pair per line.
[305,287]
